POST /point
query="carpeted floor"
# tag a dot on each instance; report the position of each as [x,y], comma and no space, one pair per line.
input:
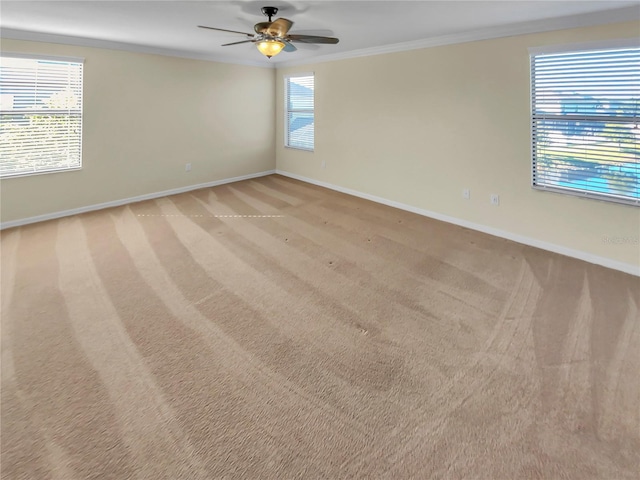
[274,329]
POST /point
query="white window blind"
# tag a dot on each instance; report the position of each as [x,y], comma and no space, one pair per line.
[585,123]
[299,112]
[40,115]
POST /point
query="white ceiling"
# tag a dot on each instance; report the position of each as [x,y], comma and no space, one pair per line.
[364,27]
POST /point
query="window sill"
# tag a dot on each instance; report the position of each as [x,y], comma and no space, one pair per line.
[6,176]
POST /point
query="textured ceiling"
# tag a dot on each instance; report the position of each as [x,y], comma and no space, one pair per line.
[169,27]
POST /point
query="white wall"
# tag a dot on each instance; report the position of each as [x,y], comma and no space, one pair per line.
[417,127]
[145,117]
[413,127]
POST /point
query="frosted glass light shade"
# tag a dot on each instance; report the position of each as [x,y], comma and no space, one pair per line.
[270,48]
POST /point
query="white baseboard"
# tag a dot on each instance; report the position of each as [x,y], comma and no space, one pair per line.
[125,201]
[533,242]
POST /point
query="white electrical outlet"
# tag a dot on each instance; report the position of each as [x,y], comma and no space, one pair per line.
[495,199]
[323,164]
[187,167]
[466,194]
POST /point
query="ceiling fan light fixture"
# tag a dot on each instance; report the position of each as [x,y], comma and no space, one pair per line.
[270,48]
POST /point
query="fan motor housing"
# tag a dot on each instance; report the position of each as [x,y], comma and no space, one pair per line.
[269,11]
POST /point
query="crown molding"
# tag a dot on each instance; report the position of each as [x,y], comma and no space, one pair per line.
[537,26]
[25,35]
[524,28]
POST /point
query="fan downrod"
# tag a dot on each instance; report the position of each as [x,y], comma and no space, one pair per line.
[269,11]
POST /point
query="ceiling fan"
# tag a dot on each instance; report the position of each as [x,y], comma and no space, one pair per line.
[272,37]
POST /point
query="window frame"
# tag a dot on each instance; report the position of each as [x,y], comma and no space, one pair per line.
[79,112]
[287,111]
[615,44]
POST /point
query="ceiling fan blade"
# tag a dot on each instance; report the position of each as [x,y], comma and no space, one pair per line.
[312,39]
[261,27]
[279,27]
[289,47]
[224,30]
[236,43]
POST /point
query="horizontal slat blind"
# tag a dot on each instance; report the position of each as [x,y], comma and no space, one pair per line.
[40,115]
[585,123]
[299,98]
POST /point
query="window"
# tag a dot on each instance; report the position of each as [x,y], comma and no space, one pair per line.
[299,117]
[40,115]
[585,123]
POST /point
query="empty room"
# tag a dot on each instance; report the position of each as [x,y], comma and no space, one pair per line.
[320,240]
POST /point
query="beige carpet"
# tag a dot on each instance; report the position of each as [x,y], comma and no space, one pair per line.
[274,329]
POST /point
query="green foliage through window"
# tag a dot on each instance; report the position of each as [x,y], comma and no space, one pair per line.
[40,115]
